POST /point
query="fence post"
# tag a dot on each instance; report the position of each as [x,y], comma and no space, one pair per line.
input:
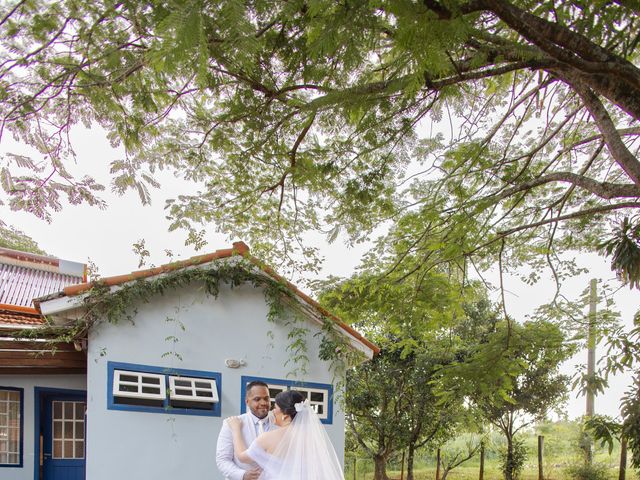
[481,476]
[540,447]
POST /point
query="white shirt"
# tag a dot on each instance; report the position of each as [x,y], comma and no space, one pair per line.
[227,462]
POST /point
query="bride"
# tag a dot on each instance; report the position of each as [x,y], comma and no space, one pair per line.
[299,450]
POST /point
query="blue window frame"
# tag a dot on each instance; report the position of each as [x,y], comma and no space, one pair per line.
[320,395]
[152,389]
[11,426]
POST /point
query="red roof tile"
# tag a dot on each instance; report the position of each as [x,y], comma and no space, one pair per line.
[8,317]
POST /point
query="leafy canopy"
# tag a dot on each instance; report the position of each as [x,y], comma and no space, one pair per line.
[16,240]
[508,128]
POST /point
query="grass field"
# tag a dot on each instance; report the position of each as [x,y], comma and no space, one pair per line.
[491,473]
[561,450]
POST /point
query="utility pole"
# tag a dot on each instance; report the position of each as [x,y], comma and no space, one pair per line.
[591,359]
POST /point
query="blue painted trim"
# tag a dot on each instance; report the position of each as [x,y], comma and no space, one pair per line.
[21,454]
[244,380]
[216,411]
[38,393]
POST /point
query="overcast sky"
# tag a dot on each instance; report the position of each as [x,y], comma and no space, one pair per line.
[105,237]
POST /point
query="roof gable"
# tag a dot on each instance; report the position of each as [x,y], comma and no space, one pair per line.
[65,301]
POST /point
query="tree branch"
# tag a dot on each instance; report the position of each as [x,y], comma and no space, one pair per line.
[619,151]
[12,11]
[563,44]
[569,216]
[606,190]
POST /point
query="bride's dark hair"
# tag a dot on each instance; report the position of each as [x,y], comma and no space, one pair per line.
[287,402]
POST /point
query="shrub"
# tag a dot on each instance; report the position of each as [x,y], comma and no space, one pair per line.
[585,471]
[518,458]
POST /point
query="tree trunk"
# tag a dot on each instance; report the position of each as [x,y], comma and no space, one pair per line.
[402,467]
[410,458]
[481,475]
[623,459]
[540,447]
[508,468]
[380,463]
[438,465]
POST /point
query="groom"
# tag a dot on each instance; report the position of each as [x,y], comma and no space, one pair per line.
[254,422]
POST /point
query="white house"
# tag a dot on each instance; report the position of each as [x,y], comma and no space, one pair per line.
[169,351]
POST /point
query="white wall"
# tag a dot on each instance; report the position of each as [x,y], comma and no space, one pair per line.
[157,446]
[28,383]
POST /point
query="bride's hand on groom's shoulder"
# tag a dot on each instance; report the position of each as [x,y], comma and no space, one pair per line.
[234,422]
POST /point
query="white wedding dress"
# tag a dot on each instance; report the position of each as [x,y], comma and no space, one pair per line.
[304,453]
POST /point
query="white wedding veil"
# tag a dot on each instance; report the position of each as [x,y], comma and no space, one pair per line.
[305,451]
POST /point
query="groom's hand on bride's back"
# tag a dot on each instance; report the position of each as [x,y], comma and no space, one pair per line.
[252,474]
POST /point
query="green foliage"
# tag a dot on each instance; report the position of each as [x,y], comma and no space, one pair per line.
[513,378]
[515,370]
[630,412]
[421,323]
[623,356]
[624,250]
[604,429]
[475,120]
[560,453]
[586,471]
[14,239]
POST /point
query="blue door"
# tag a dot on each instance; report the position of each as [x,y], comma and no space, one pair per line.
[63,437]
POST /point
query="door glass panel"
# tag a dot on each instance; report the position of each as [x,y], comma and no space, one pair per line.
[79,430]
[68,449]
[79,449]
[68,429]
[57,449]
[57,430]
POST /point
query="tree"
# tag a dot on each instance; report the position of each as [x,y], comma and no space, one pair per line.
[623,355]
[453,458]
[513,378]
[315,115]
[422,323]
[13,238]
[390,405]
[607,430]
[390,401]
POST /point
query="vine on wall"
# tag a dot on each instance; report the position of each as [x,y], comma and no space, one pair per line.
[102,304]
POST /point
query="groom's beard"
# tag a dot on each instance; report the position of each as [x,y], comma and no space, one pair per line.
[261,412]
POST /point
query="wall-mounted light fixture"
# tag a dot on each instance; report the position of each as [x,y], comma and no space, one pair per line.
[233,363]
